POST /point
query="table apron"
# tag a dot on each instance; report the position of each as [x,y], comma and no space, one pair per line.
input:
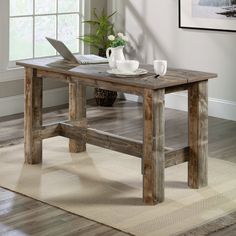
[105,84]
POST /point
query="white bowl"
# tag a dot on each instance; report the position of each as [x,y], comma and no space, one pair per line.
[127,65]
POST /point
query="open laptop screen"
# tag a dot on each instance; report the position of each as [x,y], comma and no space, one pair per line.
[78,59]
[62,50]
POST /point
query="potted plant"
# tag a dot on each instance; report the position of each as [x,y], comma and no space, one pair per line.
[101,28]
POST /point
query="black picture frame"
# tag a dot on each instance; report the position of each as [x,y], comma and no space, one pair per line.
[185,25]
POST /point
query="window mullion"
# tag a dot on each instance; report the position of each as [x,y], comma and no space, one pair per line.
[57,19]
[81,26]
[34,28]
[80,29]
[46,14]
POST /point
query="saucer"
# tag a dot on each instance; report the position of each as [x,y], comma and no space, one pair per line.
[119,73]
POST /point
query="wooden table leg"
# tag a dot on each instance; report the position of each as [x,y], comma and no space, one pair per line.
[198,134]
[153,146]
[32,116]
[77,111]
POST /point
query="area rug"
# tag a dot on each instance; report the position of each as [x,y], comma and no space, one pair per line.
[220,226]
[106,186]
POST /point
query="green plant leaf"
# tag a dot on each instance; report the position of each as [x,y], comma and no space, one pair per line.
[93,22]
[94,13]
[112,15]
[102,28]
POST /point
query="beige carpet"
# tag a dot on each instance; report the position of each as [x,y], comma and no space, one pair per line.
[106,186]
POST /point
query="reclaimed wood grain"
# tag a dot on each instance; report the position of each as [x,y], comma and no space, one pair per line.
[78,130]
[99,73]
[33,116]
[176,156]
[112,86]
[198,134]
[47,131]
[175,89]
[77,112]
[153,146]
[73,132]
[55,75]
[114,142]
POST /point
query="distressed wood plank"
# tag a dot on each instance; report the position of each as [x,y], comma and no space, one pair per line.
[28,115]
[114,142]
[73,132]
[101,139]
[110,85]
[198,135]
[175,89]
[77,111]
[176,157]
[153,146]
[47,131]
[32,116]
[98,73]
[107,140]
[78,129]
[54,75]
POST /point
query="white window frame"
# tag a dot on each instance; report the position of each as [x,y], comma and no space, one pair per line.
[8,70]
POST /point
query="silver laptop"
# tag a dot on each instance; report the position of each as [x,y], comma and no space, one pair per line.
[64,51]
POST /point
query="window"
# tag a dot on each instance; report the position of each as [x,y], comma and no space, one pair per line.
[32,20]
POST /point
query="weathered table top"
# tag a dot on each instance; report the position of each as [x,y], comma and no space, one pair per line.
[173,77]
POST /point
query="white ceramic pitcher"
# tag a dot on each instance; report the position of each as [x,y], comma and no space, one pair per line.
[115,54]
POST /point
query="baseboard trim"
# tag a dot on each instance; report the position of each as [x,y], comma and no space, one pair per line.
[15,104]
[217,107]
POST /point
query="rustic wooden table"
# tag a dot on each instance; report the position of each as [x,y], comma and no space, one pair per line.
[155,157]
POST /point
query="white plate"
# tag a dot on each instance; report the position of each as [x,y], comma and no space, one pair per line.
[119,73]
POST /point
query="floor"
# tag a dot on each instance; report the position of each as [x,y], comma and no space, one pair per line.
[21,215]
[17,212]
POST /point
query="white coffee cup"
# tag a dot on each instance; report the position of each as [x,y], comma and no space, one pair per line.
[160,67]
[127,65]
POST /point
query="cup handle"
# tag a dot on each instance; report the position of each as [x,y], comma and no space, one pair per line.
[108,52]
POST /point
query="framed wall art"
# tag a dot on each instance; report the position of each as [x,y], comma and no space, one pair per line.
[208,14]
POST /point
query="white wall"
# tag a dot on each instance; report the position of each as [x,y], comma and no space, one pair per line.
[153,28]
